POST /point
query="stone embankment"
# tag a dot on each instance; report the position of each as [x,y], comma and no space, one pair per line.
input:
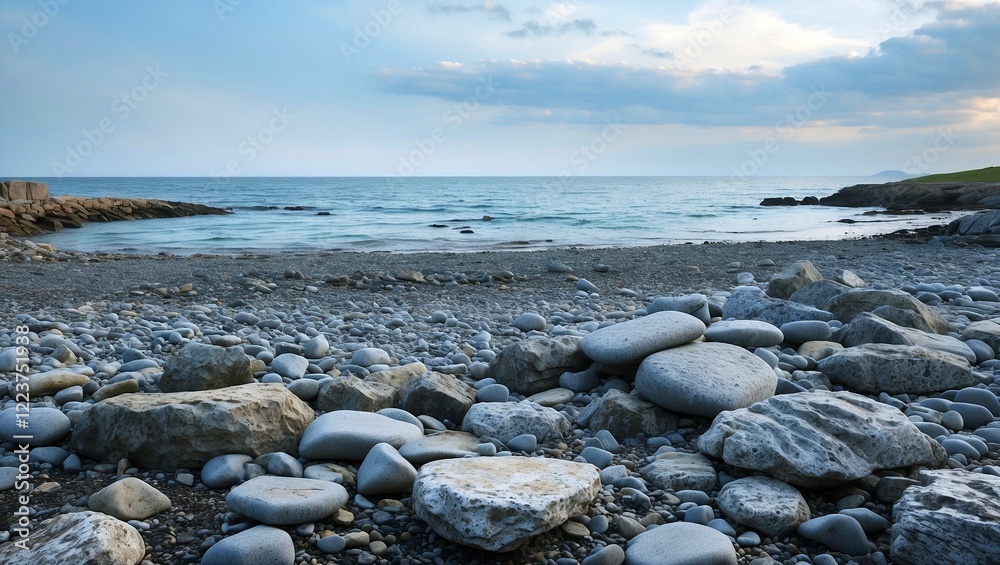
[26,209]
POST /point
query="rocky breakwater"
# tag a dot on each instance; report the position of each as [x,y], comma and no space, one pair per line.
[33,216]
[753,426]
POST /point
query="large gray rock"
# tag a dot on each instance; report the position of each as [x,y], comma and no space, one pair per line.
[199,366]
[629,342]
[792,278]
[348,392]
[78,537]
[679,470]
[953,518]
[385,471]
[534,365]
[507,420]
[497,504]
[847,306]
[764,504]
[704,379]
[442,396]
[186,429]
[987,331]
[681,543]
[284,501]
[869,328]
[626,415]
[817,294]
[350,435]
[750,303]
[895,369]
[816,439]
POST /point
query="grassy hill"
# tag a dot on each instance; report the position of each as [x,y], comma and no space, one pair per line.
[989,174]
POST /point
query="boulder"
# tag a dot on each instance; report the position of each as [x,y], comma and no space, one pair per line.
[186,429]
[817,294]
[626,415]
[350,435]
[78,537]
[507,420]
[199,366]
[348,392]
[847,306]
[750,303]
[629,342]
[534,365]
[385,471]
[896,369]
[705,379]
[397,377]
[679,470]
[986,331]
[765,505]
[817,439]
[792,278]
[497,504]
[869,328]
[952,518]
[441,396]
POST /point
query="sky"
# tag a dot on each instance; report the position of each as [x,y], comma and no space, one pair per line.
[392,87]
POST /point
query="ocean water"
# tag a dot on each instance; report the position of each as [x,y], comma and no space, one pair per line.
[431,214]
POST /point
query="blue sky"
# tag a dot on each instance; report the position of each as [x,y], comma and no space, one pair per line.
[746,87]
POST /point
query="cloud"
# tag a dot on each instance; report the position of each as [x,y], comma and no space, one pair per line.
[930,77]
[495,11]
[653,51]
[533,28]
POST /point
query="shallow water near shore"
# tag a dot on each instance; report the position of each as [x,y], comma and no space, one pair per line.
[447,213]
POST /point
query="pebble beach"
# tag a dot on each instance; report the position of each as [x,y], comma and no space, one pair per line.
[822,402]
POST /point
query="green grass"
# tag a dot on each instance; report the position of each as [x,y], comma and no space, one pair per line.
[989,174]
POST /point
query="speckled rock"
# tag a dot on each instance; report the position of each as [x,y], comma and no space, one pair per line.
[79,537]
[764,504]
[534,365]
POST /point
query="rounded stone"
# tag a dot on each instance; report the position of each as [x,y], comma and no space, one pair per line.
[290,365]
[260,545]
[46,426]
[224,471]
[705,379]
[129,499]
[805,331]
[493,393]
[349,434]
[681,543]
[839,532]
[385,471]
[631,341]
[530,321]
[370,356]
[744,333]
[764,504]
[283,501]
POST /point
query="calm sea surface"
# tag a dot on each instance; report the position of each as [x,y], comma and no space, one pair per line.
[431,214]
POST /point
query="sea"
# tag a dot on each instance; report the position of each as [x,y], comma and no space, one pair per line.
[469,214]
